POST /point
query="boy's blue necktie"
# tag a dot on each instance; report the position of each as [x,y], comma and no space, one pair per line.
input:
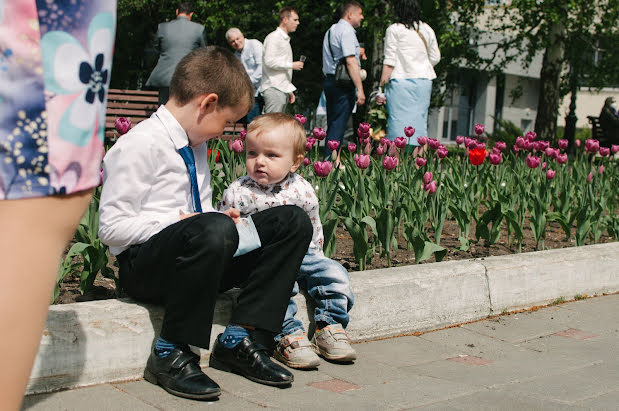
[187,155]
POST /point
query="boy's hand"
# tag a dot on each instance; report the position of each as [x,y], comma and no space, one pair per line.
[234,214]
[184,216]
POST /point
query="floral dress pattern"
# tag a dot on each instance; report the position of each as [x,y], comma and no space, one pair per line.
[249,197]
[55,69]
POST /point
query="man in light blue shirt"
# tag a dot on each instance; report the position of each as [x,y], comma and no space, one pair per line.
[340,42]
[249,51]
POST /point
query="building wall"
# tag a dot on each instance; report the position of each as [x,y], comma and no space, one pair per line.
[588,103]
[521,111]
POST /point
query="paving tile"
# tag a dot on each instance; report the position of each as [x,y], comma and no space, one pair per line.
[100,397]
[608,401]
[602,349]
[334,385]
[575,334]
[470,360]
[403,351]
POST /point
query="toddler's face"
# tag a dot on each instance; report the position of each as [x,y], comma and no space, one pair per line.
[270,156]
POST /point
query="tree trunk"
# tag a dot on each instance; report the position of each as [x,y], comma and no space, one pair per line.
[550,82]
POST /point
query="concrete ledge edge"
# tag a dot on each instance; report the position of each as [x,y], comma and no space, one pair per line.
[104,341]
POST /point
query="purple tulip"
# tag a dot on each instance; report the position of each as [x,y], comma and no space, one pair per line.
[300,118]
[561,158]
[389,162]
[533,162]
[590,177]
[495,158]
[500,145]
[614,148]
[362,161]
[479,129]
[122,125]
[520,142]
[601,169]
[352,147]
[420,161]
[604,151]
[319,133]
[459,140]
[563,143]
[442,152]
[306,161]
[237,145]
[400,142]
[333,145]
[423,140]
[531,135]
[430,187]
[550,174]
[409,131]
[322,168]
[427,177]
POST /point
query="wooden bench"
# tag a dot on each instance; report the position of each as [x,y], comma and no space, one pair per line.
[138,105]
[597,132]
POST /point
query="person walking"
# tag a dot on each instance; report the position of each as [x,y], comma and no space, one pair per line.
[173,41]
[277,65]
[411,52]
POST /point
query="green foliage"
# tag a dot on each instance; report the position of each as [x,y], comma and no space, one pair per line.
[506,131]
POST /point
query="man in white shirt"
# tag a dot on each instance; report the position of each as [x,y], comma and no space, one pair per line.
[156,215]
[249,51]
[277,65]
[340,42]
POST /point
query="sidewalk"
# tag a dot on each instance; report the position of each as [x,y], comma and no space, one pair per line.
[559,357]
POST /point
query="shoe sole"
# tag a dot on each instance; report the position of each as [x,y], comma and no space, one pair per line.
[296,365]
[337,358]
[218,365]
[152,378]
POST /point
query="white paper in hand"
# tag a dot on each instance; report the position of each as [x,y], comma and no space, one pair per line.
[249,240]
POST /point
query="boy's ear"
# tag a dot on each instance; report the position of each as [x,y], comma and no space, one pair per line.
[297,163]
[208,102]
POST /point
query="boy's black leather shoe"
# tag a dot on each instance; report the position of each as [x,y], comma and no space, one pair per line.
[249,359]
[179,373]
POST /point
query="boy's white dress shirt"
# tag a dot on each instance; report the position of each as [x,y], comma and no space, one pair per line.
[277,62]
[146,183]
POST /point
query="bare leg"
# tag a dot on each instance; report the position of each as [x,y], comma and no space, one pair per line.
[34,233]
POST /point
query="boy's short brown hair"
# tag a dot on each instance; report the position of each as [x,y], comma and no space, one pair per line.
[212,69]
[271,121]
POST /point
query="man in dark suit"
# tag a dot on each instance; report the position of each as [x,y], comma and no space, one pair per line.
[174,40]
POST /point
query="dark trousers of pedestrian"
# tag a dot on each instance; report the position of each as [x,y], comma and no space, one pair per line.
[187,264]
[164,95]
[340,102]
[255,111]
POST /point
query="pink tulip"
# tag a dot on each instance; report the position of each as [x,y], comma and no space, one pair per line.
[333,145]
[306,161]
[122,125]
[442,152]
[362,161]
[528,145]
[520,142]
[237,145]
[367,149]
[430,187]
[479,129]
[433,143]
[590,177]
[516,149]
[364,127]
[500,145]
[319,133]
[533,162]
[400,142]
[427,177]
[420,161]
[543,166]
[300,118]
[592,145]
[469,141]
[604,151]
[459,140]
[352,147]
[322,168]
[561,158]
[601,169]
[243,135]
[614,148]
[380,150]
[550,152]
[409,131]
[309,143]
[385,142]
[365,141]
[531,135]
[577,142]
[423,140]
[563,143]
[495,158]
[538,146]
[550,174]
[389,162]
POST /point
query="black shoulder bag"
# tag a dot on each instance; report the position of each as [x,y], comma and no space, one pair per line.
[342,78]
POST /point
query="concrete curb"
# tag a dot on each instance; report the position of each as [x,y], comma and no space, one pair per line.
[102,341]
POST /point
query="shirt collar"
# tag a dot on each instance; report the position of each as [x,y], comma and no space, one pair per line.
[283,33]
[175,130]
[342,21]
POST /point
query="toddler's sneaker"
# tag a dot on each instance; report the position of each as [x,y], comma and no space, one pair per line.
[333,344]
[295,351]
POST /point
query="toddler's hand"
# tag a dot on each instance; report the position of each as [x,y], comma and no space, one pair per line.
[234,214]
[184,216]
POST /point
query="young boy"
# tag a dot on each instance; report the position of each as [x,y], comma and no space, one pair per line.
[275,148]
[156,185]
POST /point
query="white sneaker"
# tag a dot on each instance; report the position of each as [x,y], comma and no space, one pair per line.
[295,351]
[333,343]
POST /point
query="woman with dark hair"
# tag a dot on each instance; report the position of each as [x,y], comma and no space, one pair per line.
[609,121]
[411,52]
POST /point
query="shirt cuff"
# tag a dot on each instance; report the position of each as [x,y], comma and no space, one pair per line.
[389,62]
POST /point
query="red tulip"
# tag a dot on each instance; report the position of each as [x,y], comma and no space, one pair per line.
[420,161]
[352,147]
[322,168]
[122,125]
[479,129]
[409,131]
[477,156]
[362,161]
[389,162]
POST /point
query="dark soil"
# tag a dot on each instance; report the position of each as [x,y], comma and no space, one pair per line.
[555,238]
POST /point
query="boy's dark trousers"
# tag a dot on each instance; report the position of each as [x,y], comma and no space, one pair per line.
[187,264]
